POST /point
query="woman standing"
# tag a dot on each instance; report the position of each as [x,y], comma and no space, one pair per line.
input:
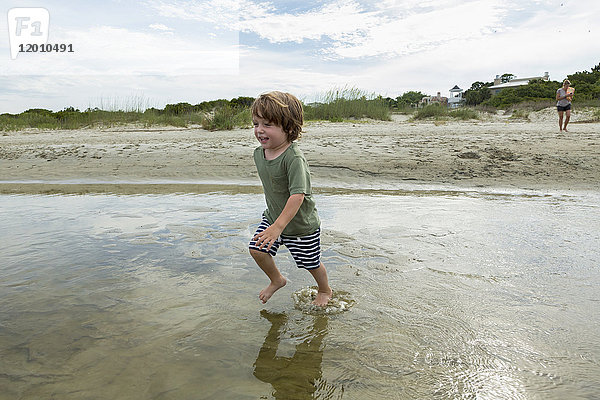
[564,95]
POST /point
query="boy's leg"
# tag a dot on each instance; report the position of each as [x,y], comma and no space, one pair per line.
[267,264]
[306,251]
[324,292]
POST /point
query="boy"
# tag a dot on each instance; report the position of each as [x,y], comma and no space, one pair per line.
[291,217]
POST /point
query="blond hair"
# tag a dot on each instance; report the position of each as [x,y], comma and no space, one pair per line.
[566,81]
[281,109]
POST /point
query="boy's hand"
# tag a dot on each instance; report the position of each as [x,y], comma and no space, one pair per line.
[272,233]
[268,237]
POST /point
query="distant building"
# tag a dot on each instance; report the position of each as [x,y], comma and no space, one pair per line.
[455,100]
[427,100]
[516,82]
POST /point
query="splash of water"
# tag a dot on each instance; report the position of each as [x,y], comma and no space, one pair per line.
[340,302]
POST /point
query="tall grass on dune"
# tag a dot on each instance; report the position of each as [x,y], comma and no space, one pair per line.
[133,103]
[226,118]
[437,112]
[531,105]
[579,103]
[592,118]
[347,103]
[75,119]
[220,118]
[136,109]
[335,105]
[464,114]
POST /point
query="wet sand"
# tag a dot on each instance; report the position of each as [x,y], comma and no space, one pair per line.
[495,152]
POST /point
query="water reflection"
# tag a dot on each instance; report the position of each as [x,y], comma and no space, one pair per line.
[296,377]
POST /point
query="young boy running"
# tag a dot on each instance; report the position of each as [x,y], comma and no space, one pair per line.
[291,218]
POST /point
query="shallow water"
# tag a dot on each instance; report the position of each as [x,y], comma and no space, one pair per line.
[453,295]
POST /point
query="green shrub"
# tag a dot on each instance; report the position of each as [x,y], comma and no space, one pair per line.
[179,109]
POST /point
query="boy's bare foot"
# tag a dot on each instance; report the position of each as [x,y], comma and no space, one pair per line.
[323,298]
[267,292]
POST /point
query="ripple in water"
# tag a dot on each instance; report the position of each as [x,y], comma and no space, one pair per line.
[340,302]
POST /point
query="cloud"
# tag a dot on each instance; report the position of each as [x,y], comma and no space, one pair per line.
[338,21]
[225,13]
[334,20]
[161,27]
[385,46]
[347,29]
[421,31]
[550,38]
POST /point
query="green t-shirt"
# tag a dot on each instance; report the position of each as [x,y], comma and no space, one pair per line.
[286,175]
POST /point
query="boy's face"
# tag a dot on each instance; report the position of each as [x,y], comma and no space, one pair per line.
[270,136]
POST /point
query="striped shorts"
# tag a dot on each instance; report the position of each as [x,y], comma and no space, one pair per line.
[305,250]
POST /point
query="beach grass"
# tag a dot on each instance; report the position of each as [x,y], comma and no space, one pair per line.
[431,111]
[74,119]
[226,118]
[437,112]
[592,118]
[348,104]
[531,106]
[520,114]
[593,103]
[135,102]
[481,108]
[464,114]
[406,110]
[338,105]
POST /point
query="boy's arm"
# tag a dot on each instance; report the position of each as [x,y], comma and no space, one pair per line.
[271,234]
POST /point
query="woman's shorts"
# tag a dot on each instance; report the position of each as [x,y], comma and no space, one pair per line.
[563,108]
[305,250]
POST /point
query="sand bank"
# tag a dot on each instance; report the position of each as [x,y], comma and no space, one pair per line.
[496,152]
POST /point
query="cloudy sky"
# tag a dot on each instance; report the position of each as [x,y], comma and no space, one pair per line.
[152,52]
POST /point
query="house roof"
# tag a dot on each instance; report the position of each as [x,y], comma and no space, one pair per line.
[516,82]
[510,84]
[455,88]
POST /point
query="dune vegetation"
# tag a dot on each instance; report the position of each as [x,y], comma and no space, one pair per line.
[336,105]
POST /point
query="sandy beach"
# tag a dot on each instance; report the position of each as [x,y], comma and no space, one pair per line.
[494,152]
[126,274]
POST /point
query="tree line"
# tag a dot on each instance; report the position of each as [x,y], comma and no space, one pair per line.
[586,84]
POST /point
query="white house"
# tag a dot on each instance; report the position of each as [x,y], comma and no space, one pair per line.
[516,82]
[455,100]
